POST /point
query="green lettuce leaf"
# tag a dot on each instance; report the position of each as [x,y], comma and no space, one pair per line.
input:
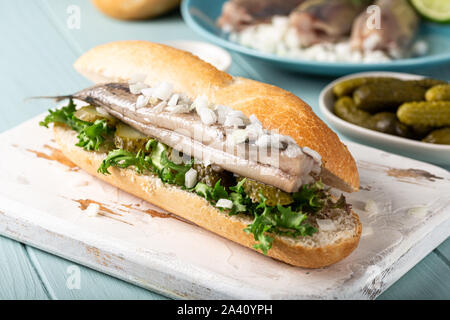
[91,135]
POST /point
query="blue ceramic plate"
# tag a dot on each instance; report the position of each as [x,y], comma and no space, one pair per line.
[201,15]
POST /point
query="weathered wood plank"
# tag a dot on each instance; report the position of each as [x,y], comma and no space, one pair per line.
[429,279]
[58,273]
[18,278]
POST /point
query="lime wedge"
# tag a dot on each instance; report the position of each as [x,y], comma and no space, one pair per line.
[436,10]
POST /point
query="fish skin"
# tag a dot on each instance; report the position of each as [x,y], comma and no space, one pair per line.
[181,131]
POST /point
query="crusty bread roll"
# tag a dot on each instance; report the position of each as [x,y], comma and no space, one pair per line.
[135,9]
[276,108]
[322,249]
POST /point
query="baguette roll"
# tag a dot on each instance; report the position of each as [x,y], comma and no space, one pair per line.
[277,109]
[135,10]
[322,249]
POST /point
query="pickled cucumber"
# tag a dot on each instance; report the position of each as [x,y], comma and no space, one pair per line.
[428,113]
[383,96]
[90,114]
[347,87]
[387,122]
[345,109]
[209,176]
[441,136]
[273,195]
[438,93]
[426,83]
[129,138]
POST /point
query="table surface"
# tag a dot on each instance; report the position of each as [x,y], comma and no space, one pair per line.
[38,49]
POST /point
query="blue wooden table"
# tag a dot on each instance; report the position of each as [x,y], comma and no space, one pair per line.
[37,52]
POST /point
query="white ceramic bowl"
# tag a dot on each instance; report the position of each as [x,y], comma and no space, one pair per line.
[435,153]
[210,53]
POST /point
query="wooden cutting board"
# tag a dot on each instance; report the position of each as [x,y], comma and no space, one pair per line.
[43,201]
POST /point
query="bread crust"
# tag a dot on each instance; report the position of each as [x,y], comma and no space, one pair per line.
[197,210]
[277,109]
[135,10]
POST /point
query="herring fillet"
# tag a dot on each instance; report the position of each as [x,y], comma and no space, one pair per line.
[186,133]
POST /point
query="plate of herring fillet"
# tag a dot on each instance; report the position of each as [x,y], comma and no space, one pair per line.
[326,37]
[219,189]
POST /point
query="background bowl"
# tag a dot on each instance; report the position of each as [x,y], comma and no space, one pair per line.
[435,153]
[201,16]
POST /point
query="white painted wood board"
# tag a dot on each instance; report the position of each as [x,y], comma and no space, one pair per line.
[42,201]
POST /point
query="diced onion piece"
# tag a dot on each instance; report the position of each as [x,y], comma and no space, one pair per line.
[163,91]
[231,121]
[173,101]
[254,120]
[190,178]
[137,87]
[222,112]
[254,131]
[93,210]
[200,102]
[326,224]
[142,101]
[313,154]
[239,136]
[148,92]
[207,116]
[268,140]
[159,107]
[175,157]
[371,207]
[137,77]
[180,108]
[419,212]
[224,203]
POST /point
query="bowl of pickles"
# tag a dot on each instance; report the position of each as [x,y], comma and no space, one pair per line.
[402,113]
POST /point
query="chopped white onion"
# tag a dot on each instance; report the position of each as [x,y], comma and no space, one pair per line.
[254,120]
[267,140]
[173,101]
[231,121]
[326,224]
[371,207]
[163,91]
[93,210]
[148,92]
[136,88]
[222,112]
[254,130]
[190,178]
[142,101]
[200,102]
[175,157]
[419,212]
[238,136]
[180,108]
[224,203]
[207,116]
[313,154]
[159,107]
[137,77]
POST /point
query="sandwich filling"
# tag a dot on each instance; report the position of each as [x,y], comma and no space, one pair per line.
[230,179]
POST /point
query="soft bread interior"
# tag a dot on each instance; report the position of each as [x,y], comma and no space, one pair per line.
[276,108]
[322,249]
